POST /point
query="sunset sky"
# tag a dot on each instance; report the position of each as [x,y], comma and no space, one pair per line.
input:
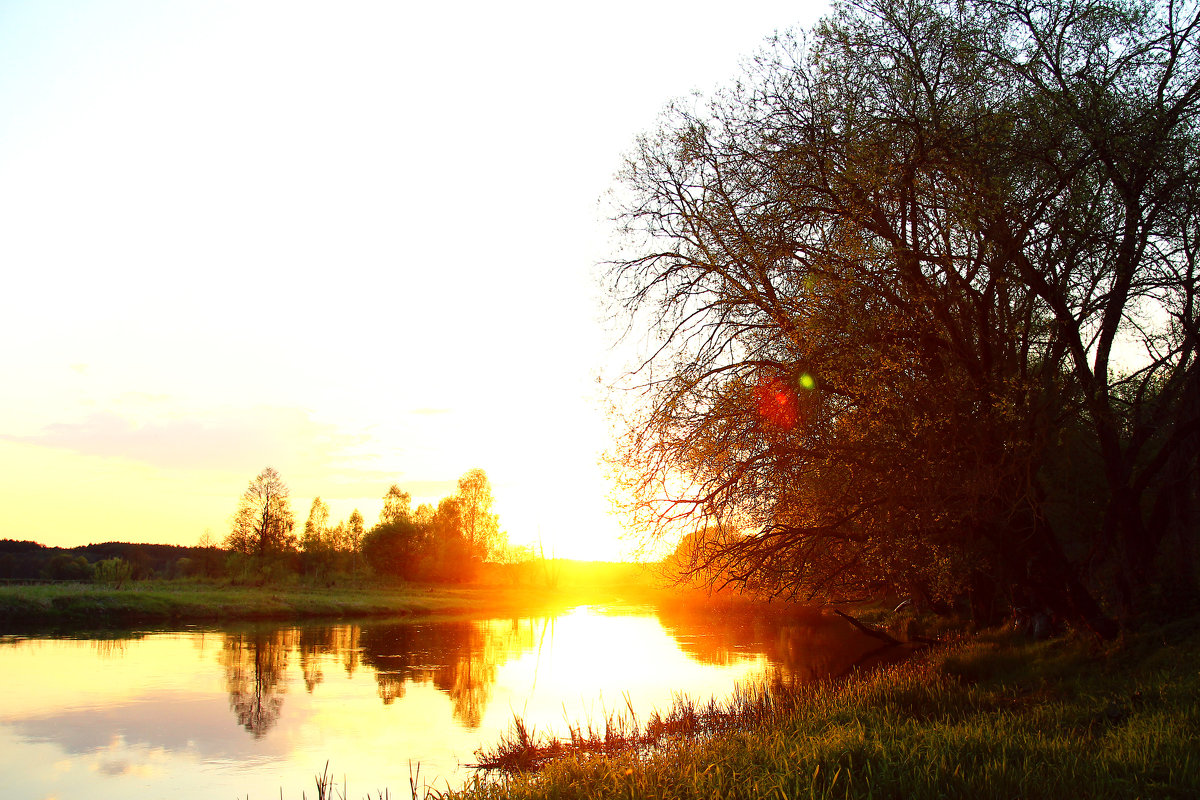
[353,241]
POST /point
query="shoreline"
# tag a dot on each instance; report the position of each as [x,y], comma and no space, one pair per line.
[993,715]
[170,602]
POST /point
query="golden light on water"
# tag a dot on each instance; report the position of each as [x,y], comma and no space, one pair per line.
[254,708]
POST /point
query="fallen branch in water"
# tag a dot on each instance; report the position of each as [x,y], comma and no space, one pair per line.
[875,633]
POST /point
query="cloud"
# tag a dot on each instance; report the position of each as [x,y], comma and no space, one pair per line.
[218,439]
[198,725]
[429,412]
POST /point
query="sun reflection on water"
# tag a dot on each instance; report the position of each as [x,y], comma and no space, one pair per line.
[254,708]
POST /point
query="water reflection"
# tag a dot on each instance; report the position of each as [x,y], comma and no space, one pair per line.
[800,645]
[157,706]
[255,664]
[459,659]
[316,643]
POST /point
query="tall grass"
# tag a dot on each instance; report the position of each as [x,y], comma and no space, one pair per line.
[993,717]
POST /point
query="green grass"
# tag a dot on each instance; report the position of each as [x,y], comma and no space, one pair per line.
[186,601]
[991,717]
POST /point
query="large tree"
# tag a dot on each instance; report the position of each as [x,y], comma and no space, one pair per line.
[263,522]
[889,269]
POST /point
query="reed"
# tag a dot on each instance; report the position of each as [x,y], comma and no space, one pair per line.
[990,717]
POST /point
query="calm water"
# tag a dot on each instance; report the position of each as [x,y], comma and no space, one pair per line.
[241,712]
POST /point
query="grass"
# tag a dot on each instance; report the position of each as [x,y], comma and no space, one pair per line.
[151,602]
[990,717]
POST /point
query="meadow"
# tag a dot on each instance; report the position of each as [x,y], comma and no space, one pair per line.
[186,600]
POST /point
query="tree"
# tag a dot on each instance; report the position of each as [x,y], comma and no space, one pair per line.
[114,571]
[354,535]
[480,527]
[66,567]
[395,549]
[423,515]
[319,542]
[890,267]
[263,523]
[397,505]
[449,556]
[208,555]
[396,546]
[316,528]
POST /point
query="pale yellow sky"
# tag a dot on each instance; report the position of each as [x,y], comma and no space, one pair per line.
[352,241]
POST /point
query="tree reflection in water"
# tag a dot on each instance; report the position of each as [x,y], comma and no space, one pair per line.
[461,658]
[801,646]
[458,658]
[315,643]
[255,664]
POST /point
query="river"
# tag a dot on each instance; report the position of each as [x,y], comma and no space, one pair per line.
[245,711]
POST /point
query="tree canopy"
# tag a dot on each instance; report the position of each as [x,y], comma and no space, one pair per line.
[448,543]
[891,269]
[263,522]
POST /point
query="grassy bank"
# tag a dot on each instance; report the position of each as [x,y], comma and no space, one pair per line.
[165,602]
[991,717]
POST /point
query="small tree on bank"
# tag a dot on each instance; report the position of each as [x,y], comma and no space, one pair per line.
[263,523]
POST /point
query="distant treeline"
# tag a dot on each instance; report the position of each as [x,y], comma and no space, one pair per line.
[25,560]
[120,562]
[458,541]
[449,543]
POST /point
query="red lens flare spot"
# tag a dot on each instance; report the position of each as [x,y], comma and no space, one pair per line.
[777,403]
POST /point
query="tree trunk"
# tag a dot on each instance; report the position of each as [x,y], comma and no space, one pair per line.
[1057,586]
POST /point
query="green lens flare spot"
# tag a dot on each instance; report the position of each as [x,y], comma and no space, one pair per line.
[807,381]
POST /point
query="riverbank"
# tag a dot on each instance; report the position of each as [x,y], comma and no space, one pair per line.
[993,716]
[180,602]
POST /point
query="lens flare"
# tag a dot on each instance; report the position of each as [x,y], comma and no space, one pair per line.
[807,382]
[777,403]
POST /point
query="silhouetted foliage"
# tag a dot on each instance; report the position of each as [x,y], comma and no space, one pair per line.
[395,548]
[420,544]
[65,567]
[890,268]
[263,523]
[447,544]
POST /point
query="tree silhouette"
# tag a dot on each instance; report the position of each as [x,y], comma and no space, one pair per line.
[890,267]
[263,522]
